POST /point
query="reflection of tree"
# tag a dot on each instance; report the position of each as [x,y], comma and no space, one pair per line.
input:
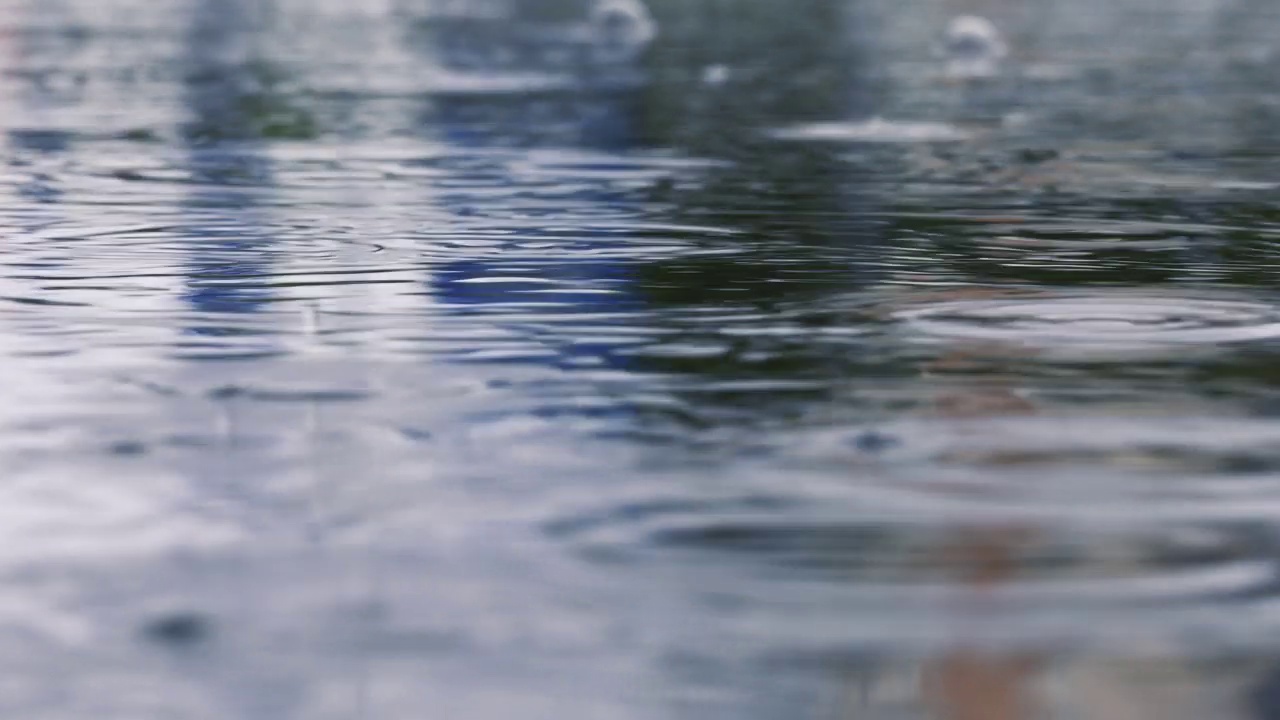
[800,222]
[786,62]
[805,236]
[234,91]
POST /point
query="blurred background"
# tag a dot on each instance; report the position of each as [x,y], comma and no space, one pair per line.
[829,359]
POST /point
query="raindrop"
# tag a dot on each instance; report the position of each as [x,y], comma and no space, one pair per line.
[620,30]
[973,47]
[177,629]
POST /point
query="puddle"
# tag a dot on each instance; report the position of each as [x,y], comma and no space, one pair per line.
[638,359]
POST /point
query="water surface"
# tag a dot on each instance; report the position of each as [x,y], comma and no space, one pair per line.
[406,359]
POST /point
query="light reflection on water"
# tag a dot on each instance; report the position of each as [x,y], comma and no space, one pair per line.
[410,358]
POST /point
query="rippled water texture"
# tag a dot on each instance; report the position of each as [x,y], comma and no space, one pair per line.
[467,360]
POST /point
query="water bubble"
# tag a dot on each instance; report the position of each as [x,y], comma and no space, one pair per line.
[872,441]
[973,47]
[716,75]
[178,629]
[620,29]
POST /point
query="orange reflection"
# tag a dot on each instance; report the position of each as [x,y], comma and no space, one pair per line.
[973,686]
[966,684]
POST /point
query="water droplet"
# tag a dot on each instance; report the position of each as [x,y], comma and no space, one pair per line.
[973,47]
[128,448]
[178,629]
[621,29]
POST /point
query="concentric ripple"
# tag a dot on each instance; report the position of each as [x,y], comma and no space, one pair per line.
[840,560]
[1119,322]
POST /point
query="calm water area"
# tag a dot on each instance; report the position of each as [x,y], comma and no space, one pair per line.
[402,359]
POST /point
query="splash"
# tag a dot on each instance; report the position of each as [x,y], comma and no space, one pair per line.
[973,47]
[620,30]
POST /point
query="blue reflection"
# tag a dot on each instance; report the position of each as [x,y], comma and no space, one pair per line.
[228,171]
[36,145]
[606,125]
[596,118]
[227,248]
[39,187]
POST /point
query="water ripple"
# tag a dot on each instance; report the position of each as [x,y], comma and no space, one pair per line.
[1107,323]
[427,347]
